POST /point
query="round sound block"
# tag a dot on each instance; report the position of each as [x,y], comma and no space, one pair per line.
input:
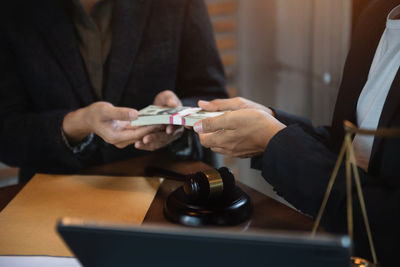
[230,209]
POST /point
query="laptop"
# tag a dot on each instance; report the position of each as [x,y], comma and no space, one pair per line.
[97,244]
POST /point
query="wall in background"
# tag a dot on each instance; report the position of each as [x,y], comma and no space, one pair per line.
[291,53]
[224,16]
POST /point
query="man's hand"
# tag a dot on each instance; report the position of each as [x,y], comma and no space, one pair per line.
[240,133]
[111,123]
[232,104]
[163,135]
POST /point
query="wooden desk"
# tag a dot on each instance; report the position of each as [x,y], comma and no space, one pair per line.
[268,213]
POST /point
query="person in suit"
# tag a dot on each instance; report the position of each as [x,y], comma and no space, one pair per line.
[73,73]
[298,159]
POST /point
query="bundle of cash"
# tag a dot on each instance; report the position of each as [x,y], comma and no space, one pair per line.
[186,116]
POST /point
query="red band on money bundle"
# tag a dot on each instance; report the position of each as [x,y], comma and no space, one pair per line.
[179,117]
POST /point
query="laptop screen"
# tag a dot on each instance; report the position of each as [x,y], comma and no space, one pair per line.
[96,244]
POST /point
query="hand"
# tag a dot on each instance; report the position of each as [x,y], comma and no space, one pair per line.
[241,133]
[167,99]
[232,104]
[166,134]
[111,123]
[157,140]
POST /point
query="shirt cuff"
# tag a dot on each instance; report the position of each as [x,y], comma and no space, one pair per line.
[79,148]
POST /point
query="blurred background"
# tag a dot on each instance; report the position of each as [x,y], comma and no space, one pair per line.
[286,54]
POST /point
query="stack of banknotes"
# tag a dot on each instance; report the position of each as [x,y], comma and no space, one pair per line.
[185,116]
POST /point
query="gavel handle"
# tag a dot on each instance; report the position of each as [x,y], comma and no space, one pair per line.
[170,175]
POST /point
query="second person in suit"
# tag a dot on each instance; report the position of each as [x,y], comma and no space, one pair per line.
[73,73]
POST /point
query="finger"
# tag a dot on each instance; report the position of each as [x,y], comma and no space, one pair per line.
[167,98]
[173,102]
[219,104]
[170,129]
[142,131]
[176,131]
[117,113]
[113,136]
[153,142]
[204,139]
[123,144]
[139,144]
[206,105]
[120,125]
[158,140]
[149,138]
[225,121]
[220,139]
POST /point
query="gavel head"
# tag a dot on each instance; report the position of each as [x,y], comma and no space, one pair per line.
[209,185]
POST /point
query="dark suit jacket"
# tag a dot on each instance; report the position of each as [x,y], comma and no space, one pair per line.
[299,159]
[156,45]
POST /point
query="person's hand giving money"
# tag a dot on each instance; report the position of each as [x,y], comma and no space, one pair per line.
[111,123]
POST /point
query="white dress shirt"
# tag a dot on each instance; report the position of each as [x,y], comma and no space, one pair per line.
[380,78]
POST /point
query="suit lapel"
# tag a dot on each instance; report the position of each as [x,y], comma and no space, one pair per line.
[389,110]
[54,21]
[364,44]
[129,21]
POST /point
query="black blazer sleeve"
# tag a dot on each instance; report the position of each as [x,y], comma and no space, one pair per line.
[28,138]
[299,166]
[322,133]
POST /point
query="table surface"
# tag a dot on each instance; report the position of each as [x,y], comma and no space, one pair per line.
[268,214]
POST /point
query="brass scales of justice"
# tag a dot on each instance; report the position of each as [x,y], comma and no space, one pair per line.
[351,167]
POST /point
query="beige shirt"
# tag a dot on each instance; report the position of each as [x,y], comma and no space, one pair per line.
[94,37]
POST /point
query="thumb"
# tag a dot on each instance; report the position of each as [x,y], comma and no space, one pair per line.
[217,105]
[211,125]
[173,102]
[207,106]
[122,114]
[167,98]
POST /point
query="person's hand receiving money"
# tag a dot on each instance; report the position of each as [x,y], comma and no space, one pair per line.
[165,134]
[241,133]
